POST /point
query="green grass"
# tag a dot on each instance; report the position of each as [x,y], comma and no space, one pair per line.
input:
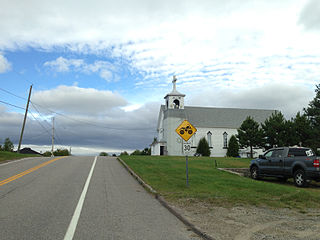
[167,176]
[12,156]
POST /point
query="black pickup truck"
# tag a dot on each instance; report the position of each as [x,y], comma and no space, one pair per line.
[298,163]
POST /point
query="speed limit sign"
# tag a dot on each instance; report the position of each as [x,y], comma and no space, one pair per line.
[186,147]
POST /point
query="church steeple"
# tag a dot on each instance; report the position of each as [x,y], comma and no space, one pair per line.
[174,100]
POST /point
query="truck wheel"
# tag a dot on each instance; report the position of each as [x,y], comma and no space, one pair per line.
[254,172]
[299,178]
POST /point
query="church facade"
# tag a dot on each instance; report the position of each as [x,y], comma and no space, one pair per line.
[217,125]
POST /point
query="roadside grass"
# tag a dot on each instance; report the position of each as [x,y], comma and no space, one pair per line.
[12,156]
[206,183]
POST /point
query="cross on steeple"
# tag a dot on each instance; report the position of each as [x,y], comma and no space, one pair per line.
[174,82]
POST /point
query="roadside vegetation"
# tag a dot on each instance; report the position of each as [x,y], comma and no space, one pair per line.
[4,156]
[6,152]
[206,183]
[58,152]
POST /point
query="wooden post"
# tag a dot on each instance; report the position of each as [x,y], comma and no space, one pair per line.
[24,120]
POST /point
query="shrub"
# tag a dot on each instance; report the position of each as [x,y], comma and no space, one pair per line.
[47,154]
[61,152]
[233,147]
[203,147]
[103,154]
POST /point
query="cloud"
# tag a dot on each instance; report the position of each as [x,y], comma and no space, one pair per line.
[158,39]
[310,15]
[63,65]
[5,65]
[114,131]
[288,99]
[76,100]
[104,69]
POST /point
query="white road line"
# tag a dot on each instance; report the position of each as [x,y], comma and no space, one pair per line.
[75,218]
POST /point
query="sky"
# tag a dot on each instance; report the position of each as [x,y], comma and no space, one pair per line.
[102,68]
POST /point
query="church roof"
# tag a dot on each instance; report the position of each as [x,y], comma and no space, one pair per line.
[207,117]
[174,92]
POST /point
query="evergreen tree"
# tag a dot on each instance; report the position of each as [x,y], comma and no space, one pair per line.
[313,114]
[250,134]
[303,130]
[233,147]
[313,111]
[203,147]
[290,136]
[8,145]
[274,130]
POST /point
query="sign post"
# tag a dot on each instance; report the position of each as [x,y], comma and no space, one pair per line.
[187,171]
[185,130]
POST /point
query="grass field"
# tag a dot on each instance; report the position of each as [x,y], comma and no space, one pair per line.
[11,156]
[206,183]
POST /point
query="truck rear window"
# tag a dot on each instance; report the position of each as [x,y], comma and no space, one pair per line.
[300,152]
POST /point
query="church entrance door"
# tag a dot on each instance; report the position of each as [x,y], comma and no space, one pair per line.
[161,150]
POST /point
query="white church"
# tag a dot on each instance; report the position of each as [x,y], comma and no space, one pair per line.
[217,125]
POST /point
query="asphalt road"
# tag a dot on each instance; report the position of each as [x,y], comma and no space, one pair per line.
[40,198]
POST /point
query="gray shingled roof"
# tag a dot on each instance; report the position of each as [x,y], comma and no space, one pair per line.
[217,117]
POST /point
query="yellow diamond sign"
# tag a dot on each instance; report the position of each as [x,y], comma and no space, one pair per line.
[186,130]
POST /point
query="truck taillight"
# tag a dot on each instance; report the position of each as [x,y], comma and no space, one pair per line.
[316,163]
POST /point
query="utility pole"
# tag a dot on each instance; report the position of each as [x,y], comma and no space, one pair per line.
[52,137]
[24,120]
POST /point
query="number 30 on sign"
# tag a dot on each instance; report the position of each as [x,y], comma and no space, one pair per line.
[186,147]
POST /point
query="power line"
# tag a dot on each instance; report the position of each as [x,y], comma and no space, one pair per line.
[91,123]
[12,105]
[70,118]
[40,123]
[6,91]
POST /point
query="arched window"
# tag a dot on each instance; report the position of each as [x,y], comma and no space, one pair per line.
[176,104]
[225,140]
[209,134]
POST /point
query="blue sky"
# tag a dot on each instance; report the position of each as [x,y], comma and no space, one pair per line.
[110,64]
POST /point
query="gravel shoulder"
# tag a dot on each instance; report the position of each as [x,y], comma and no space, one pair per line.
[250,223]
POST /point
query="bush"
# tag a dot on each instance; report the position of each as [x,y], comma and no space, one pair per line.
[124,153]
[203,147]
[103,154]
[233,147]
[47,154]
[136,152]
[146,151]
[61,152]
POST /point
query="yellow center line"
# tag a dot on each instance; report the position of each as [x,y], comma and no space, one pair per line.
[10,179]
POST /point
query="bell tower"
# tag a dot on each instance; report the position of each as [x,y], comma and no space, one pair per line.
[174,100]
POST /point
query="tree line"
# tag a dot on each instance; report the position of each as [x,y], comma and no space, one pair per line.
[276,131]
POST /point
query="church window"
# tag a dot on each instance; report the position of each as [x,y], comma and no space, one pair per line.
[225,140]
[209,134]
[176,103]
